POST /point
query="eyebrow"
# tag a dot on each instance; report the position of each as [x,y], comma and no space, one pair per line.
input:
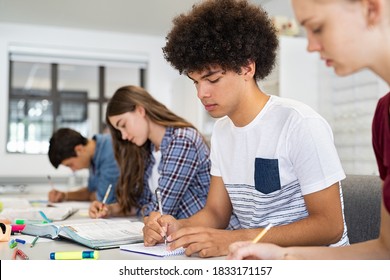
[208,74]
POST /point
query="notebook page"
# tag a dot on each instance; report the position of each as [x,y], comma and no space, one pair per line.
[158,250]
[106,229]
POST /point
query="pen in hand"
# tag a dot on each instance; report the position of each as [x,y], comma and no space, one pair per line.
[158,195]
[105,197]
[50,182]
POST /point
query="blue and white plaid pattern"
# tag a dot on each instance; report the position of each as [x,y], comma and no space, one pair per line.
[184,174]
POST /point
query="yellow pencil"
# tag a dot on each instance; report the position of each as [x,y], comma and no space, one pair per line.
[261,234]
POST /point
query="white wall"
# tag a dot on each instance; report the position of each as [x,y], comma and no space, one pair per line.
[298,71]
[160,77]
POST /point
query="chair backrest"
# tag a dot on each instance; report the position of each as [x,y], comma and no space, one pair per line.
[362,202]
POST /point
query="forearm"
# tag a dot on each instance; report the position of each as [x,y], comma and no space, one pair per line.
[372,249]
[311,231]
[206,218]
[81,194]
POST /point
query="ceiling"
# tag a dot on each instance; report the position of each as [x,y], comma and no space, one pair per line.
[150,17]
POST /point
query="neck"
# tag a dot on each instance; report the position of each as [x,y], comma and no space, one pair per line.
[249,107]
[156,134]
[90,147]
[381,63]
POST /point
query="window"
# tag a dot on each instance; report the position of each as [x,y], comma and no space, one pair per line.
[50,89]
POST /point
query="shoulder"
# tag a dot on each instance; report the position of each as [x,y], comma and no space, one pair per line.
[292,107]
[188,134]
[296,114]
[103,143]
[106,137]
[183,138]
[383,103]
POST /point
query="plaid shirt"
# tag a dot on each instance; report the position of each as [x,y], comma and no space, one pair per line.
[184,174]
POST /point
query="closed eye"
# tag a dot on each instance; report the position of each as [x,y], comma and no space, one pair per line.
[214,81]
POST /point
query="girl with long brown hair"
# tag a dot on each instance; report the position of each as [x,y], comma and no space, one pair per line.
[154,148]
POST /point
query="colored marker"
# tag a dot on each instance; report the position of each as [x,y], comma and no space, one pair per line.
[12,244]
[22,254]
[45,217]
[74,255]
[24,222]
[17,228]
[21,241]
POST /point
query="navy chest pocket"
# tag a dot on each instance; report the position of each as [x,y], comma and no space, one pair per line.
[267,179]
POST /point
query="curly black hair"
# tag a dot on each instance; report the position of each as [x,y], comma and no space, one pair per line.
[227,33]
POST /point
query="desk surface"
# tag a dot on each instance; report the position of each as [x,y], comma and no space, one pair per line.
[43,248]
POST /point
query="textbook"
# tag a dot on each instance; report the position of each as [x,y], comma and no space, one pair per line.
[35,213]
[158,250]
[93,233]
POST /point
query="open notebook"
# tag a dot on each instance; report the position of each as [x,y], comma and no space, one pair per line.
[93,233]
[158,251]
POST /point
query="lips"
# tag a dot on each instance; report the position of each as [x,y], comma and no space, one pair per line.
[209,107]
[328,62]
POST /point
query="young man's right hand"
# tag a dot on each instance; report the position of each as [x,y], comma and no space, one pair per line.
[157,226]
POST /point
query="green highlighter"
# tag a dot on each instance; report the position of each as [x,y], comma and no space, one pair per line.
[24,222]
[80,255]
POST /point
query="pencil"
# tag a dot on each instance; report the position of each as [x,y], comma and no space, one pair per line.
[158,195]
[34,241]
[261,234]
[106,195]
[50,182]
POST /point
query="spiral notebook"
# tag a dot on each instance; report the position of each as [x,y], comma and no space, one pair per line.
[158,251]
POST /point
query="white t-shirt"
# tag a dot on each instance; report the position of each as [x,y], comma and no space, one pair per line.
[286,152]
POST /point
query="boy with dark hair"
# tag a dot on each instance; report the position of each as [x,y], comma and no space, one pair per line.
[69,148]
[273,160]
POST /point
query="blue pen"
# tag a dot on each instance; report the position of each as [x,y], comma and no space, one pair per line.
[44,217]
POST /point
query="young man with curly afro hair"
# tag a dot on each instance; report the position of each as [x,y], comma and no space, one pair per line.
[273,159]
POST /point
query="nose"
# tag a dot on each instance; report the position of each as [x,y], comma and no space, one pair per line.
[124,136]
[202,91]
[313,45]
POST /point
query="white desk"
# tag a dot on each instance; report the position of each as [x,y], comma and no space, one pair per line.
[42,250]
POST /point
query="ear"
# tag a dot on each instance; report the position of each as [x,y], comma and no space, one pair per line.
[141,110]
[249,70]
[79,149]
[374,11]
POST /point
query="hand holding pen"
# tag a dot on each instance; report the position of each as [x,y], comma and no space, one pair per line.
[158,196]
[99,209]
[55,195]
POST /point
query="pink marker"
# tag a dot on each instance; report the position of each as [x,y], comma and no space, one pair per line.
[17,228]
